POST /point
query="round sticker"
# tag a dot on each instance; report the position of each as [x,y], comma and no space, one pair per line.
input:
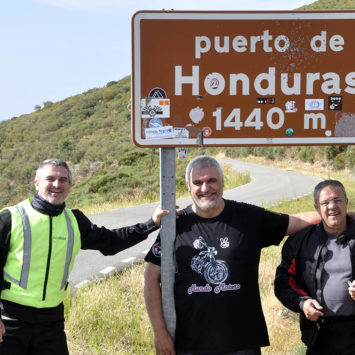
[155,122]
[207,131]
[289,132]
[157,93]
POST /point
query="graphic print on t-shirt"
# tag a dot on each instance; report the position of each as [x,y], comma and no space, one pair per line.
[214,271]
[224,242]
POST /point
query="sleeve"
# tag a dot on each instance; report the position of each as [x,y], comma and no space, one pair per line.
[274,227]
[154,253]
[111,241]
[5,236]
[286,286]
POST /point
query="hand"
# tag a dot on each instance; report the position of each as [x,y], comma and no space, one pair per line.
[158,213]
[2,330]
[164,344]
[352,290]
[312,309]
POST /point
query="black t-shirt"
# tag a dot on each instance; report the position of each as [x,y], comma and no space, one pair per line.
[217,299]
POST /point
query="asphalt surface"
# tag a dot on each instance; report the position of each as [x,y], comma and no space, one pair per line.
[267,186]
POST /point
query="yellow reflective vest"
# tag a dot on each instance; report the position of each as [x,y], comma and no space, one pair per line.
[41,256]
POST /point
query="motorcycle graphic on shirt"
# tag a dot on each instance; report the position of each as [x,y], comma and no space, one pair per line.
[205,263]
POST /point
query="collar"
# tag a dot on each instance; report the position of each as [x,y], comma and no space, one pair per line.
[43,206]
[344,237]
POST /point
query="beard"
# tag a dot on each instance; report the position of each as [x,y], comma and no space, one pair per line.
[205,205]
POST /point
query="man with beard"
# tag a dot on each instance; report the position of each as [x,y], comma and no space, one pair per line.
[317,272]
[217,249]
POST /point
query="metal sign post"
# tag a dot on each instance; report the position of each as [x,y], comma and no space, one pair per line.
[167,234]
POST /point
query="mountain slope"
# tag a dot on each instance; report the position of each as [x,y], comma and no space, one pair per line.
[330,5]
[91,131]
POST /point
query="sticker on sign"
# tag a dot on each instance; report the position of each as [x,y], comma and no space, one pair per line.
[159,132]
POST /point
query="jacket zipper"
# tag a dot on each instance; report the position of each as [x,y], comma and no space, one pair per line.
[48,260]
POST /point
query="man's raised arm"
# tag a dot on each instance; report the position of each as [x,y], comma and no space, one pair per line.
[301,220]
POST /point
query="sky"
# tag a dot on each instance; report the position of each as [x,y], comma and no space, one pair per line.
[54,49]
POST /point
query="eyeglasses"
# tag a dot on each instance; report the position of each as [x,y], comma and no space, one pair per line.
[336,201]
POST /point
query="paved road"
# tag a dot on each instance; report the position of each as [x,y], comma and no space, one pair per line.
[267,186]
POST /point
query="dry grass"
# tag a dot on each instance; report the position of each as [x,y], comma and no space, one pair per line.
[109,317]
[282,324]
[318,168]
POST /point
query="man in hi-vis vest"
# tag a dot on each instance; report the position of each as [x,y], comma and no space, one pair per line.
[39,239]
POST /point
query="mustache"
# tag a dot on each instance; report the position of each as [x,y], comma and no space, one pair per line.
[201,194]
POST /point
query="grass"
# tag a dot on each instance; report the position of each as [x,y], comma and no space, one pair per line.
[109,317]
[232,179]
[106,320]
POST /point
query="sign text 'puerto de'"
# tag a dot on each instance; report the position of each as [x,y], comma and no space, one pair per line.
[243,78]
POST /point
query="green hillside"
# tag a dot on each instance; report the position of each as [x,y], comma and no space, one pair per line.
[330,5]
[92,132]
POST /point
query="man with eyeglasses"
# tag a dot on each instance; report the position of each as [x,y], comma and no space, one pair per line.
[317,272]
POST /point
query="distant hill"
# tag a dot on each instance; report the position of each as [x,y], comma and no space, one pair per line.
[330,5]
[92,132]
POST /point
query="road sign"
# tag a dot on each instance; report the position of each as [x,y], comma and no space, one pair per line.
[243,78]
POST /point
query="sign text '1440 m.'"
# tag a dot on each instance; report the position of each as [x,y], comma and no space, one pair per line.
[275,119]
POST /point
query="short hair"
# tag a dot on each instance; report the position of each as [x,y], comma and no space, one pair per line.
[320,186]
[201,162]
[55,162]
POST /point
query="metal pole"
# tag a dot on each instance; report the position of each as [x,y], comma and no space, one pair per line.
[167,233]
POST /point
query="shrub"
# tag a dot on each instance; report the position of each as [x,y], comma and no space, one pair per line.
[110,83]
[333,150]
[131,158]
[350,156]
[47,104]
[306,154]
[339,161]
